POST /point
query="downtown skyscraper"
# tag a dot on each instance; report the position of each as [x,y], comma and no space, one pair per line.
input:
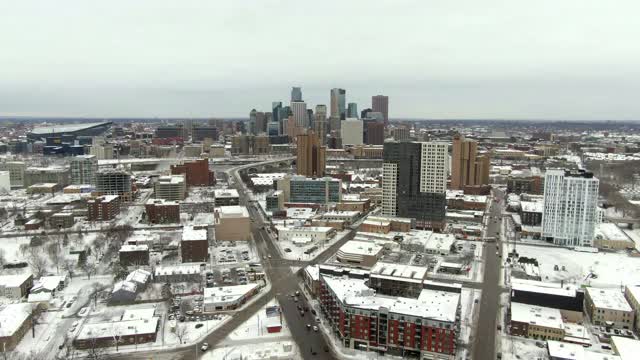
[380,103]
[296,94]
[414,182]
[468,167]
[338,103]
[311,155]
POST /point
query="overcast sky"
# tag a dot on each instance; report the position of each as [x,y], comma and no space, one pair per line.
[555,59]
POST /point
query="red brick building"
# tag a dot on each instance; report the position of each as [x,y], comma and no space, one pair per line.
[161,211]
[425,327]
[134,255]
[197,172]
[103,208]
[195,245]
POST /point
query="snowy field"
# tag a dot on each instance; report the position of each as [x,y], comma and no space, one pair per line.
[517,348]
[606,266]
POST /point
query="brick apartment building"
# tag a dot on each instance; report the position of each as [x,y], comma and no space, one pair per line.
[103,208]
[134,255]
[424,327]
[161,211]
[197,172]
[195,245]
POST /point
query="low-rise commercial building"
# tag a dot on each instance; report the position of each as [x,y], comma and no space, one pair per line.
[305,233]
[228,297]
[359,253]
[15,287]
[632,294]
[226,197]
[536,322]
[134,255]
[315,190]
[15,321]
[61,220]
[568,299]
[608,307]
[124,332]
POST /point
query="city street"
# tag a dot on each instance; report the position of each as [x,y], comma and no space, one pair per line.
[485,334]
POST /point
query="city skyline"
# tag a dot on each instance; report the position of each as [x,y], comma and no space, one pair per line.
[197,60]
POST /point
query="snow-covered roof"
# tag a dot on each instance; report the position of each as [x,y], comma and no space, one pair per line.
[567,351]
[611,299]
[189,233]
[227,294]
[399,271]
[138,314]
[47,283]
[44,297]
[139,276]
[171,179]
[628,349]
[226,193]
[313,271]
[536,315]
[13,280]
[611,231]
[360,248]
[121,328]
[545,288]
[130,248]
[126,286]
[177,270]
[532,206]
[12,316]
[104,198]
[232,211]
[55,129]
[430,304]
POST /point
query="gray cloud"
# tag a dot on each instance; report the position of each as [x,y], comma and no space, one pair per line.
[435,59]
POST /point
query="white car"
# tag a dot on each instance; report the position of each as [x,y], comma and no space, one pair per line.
[315,328]
[204,347]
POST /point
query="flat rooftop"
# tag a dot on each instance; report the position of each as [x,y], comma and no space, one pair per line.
[360,248]
[536,315]
[611,299]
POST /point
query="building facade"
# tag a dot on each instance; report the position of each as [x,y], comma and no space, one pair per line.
[83,169]
[338,103]
[171,187]
[380,103]
[161,211]
[197,172]
[351,131]
[570,207]
[311,155]
[315,190]
[408,169]
[467,168]
[103,208]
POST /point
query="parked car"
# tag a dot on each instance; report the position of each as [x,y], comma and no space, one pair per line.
[205,346]
[315,328]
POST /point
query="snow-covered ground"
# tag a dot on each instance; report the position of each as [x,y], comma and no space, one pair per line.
[297,252]
[252,341]
[607,266]
[468,313]
[518,348]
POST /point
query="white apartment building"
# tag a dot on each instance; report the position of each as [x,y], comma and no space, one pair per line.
[83,169]
[351,131]
[434,167]
[570,207]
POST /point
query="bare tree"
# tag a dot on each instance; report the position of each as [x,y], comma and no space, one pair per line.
[181,332]
[35,258]
[55,254]
[69,351]
[95,352]
[69,267]
[89,268]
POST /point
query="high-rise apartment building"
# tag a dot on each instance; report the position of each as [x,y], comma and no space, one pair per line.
[401,133]
[570,212]
[300,115]
[414,179]
[380,103]
[467,167]
[311,155]
[352,110]
[296,94]
[338,102]
[197,172]
[320,123]
[351,131]
[83,169]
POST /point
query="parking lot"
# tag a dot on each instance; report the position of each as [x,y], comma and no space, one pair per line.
[230,252]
